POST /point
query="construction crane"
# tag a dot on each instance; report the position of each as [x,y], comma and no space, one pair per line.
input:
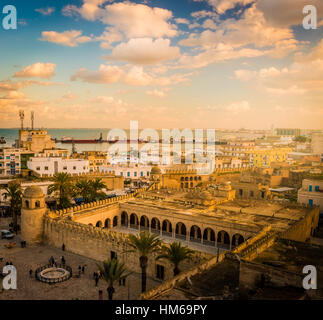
[32,120]
[22,117]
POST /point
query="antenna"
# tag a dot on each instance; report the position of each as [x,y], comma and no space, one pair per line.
[32,119]
[22,117]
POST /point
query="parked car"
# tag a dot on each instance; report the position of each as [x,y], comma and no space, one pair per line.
[5,234]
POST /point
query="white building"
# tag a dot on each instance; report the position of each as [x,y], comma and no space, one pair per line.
[47,167]
[317,144]
[311,193]
[128,172]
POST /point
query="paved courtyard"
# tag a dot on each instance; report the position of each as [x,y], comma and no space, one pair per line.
[82,288]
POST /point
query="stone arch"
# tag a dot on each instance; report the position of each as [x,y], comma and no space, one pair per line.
[144,223]
[191,178]
[99,224]
[27,204]
[223,240]
[155,225]
[191,184]
[195,178]
[182,178]
[186,178]
[180,231]
[37,204]
[237,239]
[195,234]
[107,223]
[134,221]
[124,219]
[167,228]
[209,237]
[115,221]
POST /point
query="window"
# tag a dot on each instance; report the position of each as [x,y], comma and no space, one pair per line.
[310,188]
[113,255]
[160,272]
[310,202]
[46,168]
[38,168]
[148,173]
[251,194]
[317,188]
[74,168]
[240,192]
[121,173]
[64,168]
[128,174]
[141,174]
[135,174]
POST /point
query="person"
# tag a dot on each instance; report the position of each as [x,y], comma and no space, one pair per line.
[63,261]
[63,247]
[80,268]
[96,279]
[30,273]
[83,269]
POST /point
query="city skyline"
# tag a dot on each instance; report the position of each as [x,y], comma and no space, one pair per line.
[200,64]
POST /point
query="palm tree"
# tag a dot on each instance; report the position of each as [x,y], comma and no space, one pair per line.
[96,187]
[83,188]
[14,192]
[64,186]
[175,253]
[113,270]
[145,244]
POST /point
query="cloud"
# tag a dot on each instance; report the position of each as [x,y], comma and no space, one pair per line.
[157,93]
[145,51]
[69,96]
[221,6]
[70,38]
[39,69]
[237,107]
[46,11]
[290,91]
[288,12]
[131,19]
[181,21]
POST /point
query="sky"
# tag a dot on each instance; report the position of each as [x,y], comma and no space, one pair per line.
[167,64]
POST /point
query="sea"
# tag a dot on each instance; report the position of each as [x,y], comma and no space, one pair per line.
[10,135]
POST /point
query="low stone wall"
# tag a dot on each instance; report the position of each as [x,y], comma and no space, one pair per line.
[98,244]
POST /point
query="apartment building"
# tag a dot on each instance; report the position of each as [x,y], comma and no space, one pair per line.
[311,193]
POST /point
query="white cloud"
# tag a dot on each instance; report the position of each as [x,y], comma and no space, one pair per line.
[157,93]
[145,51]
[70,38]
[237,107]
[46,11]
[39,69]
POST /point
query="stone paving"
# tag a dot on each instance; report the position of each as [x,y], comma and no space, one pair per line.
[82,288]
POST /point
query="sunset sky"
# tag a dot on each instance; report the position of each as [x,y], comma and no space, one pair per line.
[165,63]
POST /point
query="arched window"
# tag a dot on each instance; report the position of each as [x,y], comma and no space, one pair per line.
[195,234]
[134,221]
[155,225]
[115,221]
[180,231]
[124,219]
[144,223]
[99,224]
[37,204]
[27,204]
[223,240]
[167,228]
[107,223]
[209,237]
[237,239]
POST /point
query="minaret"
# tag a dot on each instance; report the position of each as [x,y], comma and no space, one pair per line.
[32,120]
[32,213]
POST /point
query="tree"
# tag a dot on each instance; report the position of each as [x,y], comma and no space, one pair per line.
[90,190]
[175,253]
[145,244]
[113,270]
[64,186]
[14,192]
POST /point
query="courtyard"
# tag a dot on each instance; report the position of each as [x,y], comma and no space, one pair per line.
[76,288]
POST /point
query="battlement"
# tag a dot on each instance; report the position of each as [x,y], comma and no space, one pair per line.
[97,204]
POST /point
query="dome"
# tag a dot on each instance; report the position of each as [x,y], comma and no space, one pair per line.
[33,192]
[206,195]
[155,170]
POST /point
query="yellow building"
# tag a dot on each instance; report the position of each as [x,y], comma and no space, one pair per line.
[35,140]
[265,157]
[96,159]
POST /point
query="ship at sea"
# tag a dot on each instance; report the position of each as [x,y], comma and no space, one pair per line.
[79,141]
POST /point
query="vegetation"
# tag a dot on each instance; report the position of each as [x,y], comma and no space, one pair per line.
[14,192]
[145,244]
[300,139]
[64,187]
[113,270]
[90,190]
[175,253]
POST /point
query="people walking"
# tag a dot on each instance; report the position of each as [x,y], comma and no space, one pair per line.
[63,247]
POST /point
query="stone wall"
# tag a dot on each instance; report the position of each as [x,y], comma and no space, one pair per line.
[97,244]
